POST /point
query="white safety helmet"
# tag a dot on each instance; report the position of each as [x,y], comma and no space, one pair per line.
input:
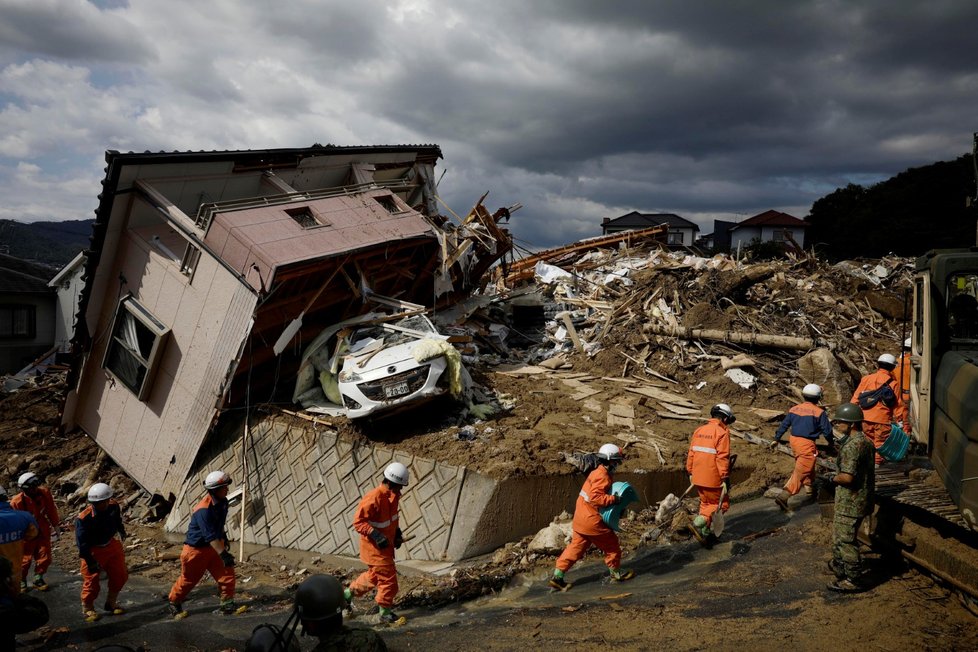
[887,358]
[610,452]
[99,492]
[811,390]
[906,343]
[397,473]
[28,480]
[216,480]
[723,410]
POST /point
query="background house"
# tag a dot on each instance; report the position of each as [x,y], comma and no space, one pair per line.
[769,226]
[27,313]
[681,231]
[67,285]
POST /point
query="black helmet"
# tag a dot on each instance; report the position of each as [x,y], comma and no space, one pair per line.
[271,638]
[320,597]
[848,413]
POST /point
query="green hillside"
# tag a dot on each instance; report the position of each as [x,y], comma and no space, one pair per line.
[50,243]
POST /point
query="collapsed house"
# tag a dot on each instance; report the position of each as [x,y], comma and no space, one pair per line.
[210,272]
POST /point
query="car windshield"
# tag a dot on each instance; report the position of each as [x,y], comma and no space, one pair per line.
[362,337]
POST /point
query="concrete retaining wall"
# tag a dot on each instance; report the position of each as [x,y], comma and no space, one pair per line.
[304,484]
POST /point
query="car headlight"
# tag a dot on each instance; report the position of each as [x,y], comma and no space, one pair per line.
[349,377]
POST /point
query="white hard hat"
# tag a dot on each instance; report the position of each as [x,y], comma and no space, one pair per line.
[28,480]
[610,452]
[906,343]
[216,480]
[887,358]
[725,410]
[397,473]
[811,390]
[99,492]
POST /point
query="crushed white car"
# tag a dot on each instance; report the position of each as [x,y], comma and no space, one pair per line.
[376,363]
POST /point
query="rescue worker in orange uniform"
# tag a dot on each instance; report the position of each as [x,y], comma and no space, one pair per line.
[16,528]
[878,395]
[377,523]
[588,528]
[36,500]
[902,375]
[99,549]
[807,421]
[708,464]
[206,549]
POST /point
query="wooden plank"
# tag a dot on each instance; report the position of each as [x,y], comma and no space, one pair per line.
[615,420]
[662,395]
[572,332]
[679,409]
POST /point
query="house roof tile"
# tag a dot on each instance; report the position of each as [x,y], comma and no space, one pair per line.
[652,219]
[772,218]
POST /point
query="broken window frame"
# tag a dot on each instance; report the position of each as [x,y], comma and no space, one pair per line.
[130,358]
[305,217]
[10,314]
[389,203]
[674,237]
[190,260]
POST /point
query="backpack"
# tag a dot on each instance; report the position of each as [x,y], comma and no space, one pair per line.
[883,394]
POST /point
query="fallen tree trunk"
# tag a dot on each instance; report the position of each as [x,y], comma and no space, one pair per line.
[755,339]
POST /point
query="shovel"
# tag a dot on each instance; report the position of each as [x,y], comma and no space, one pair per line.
[718,519]
[294,326]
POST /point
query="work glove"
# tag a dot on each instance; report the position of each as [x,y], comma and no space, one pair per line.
[774,444]
[93,566]
[379,539]
[398,538]
[227,559]
[725,486]
[827,478]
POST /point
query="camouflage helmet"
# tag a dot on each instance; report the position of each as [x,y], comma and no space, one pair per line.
[320,597]
[848,413]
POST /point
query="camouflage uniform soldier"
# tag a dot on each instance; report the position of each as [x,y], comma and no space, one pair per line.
[319,604]
[855,484]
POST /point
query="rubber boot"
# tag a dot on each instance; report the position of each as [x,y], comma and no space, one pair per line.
[229,608]
[112,604]
[388,617]
[89,613]
[39,582]
[618,575]
[348,600]
[557,581]
[782,500]
[176,610]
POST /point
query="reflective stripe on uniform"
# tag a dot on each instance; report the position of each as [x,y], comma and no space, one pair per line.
[382,524]
[584,496]
[704,449]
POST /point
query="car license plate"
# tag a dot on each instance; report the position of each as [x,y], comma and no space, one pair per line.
[397,389]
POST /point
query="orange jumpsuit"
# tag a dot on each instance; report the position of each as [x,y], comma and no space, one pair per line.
[807,421]
[902,375]
[878,419]
[377,511]
[207,524]
[588,527]
[708,462]
[95,532]
[41,506]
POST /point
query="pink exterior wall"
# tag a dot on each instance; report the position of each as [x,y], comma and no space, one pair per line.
[269,237]
[209,317]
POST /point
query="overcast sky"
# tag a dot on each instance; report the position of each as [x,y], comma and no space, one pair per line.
[576,109]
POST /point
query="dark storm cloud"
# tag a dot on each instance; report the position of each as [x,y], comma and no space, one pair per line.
[73,31]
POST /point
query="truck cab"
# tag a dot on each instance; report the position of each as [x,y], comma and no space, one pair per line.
[944,370]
